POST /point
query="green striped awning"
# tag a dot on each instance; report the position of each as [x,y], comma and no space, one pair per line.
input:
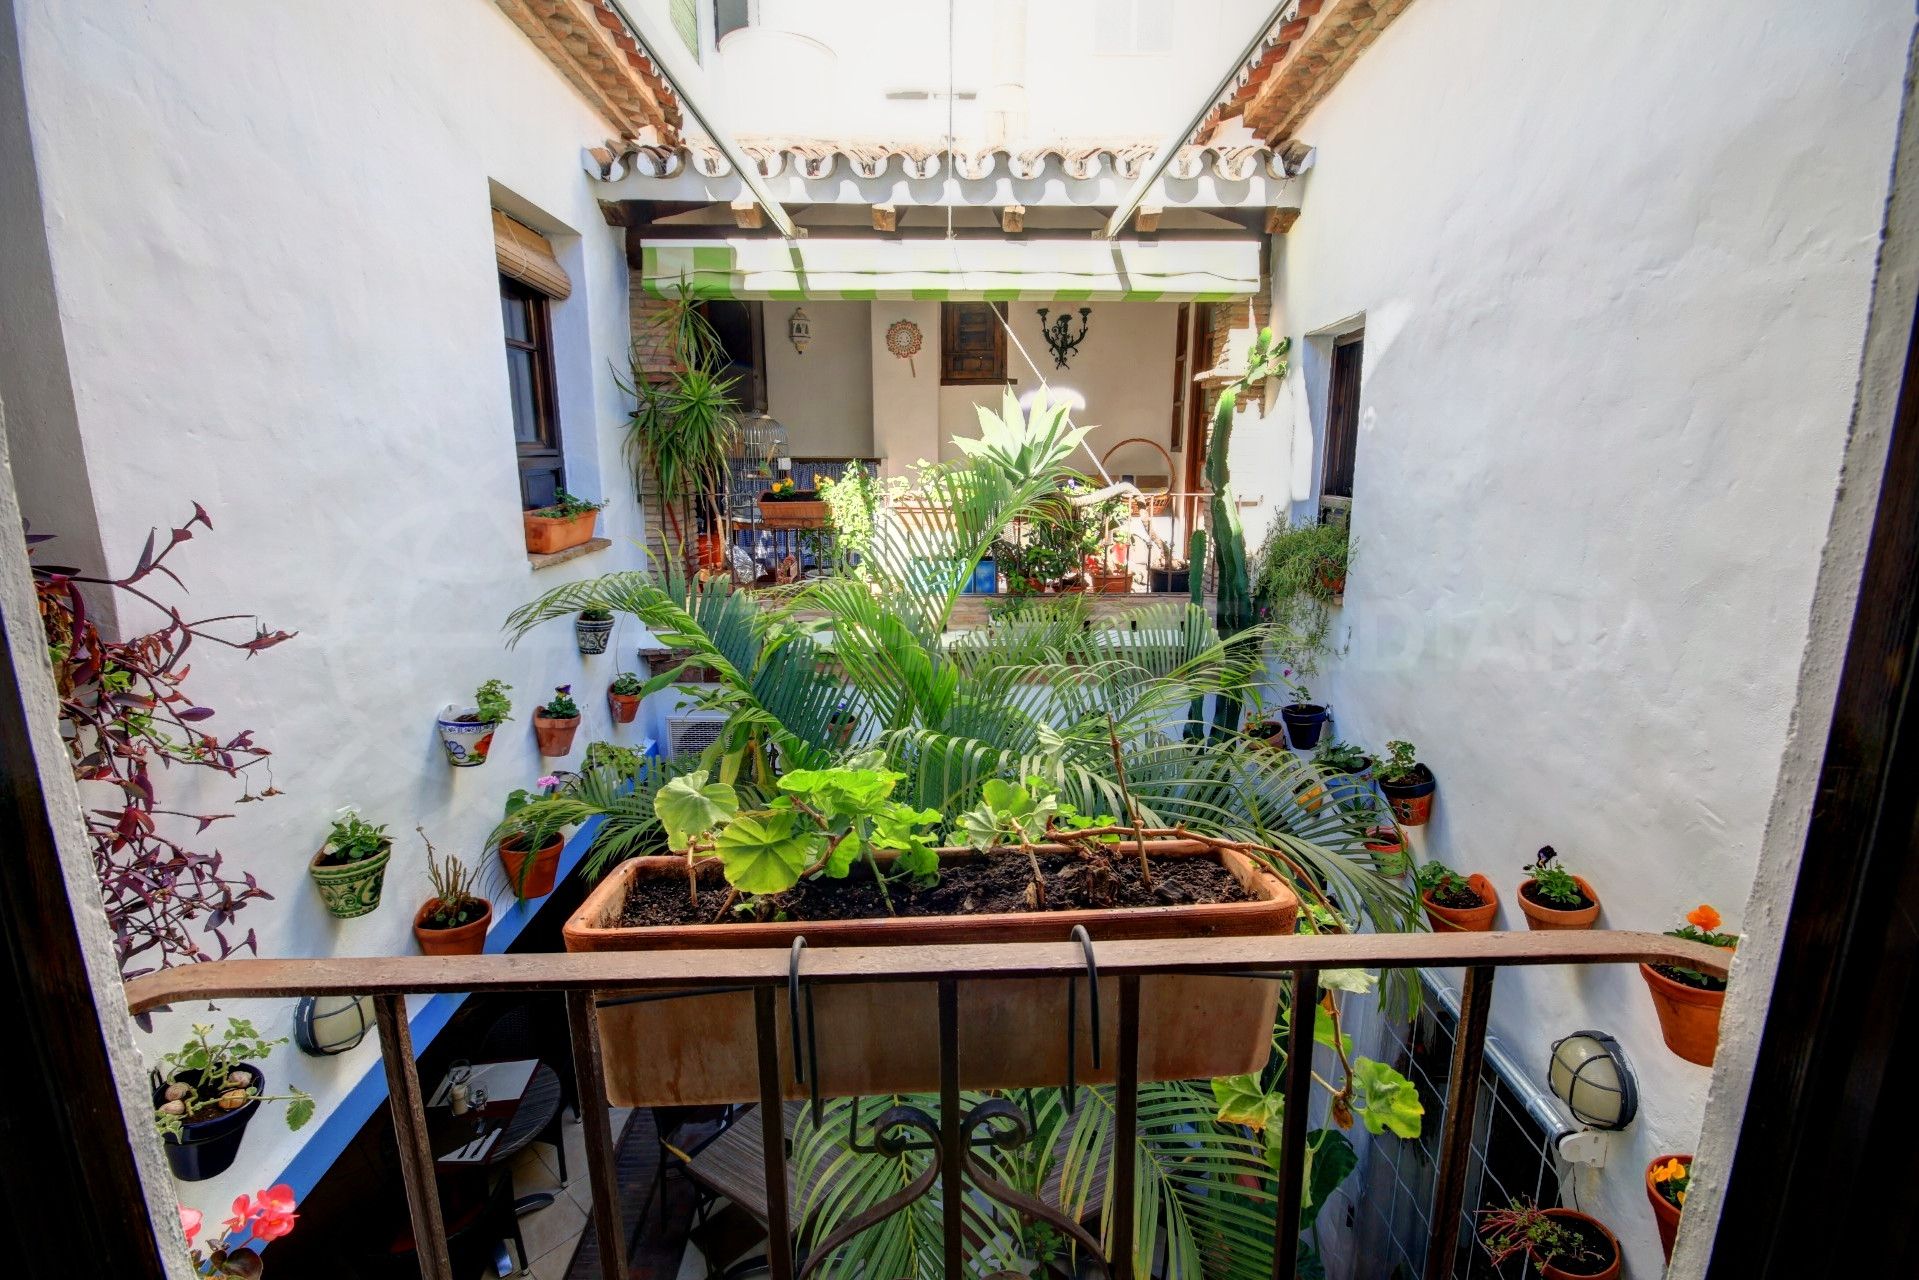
[943,270]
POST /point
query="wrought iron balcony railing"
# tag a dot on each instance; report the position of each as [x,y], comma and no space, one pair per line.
[774,977]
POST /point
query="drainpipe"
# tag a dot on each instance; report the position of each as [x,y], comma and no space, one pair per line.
[1006,98]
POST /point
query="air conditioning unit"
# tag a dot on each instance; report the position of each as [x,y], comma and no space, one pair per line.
[688,735]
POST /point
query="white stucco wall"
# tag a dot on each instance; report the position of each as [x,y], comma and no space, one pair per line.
[823,395]
[1614,284]
[270,237]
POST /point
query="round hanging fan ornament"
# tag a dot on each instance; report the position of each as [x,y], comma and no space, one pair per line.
[903,339]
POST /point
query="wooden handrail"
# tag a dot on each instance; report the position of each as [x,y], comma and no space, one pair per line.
[662,970]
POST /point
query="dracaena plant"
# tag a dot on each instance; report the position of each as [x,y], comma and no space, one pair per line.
[127,719]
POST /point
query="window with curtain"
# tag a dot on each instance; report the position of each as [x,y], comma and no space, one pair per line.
[529,371]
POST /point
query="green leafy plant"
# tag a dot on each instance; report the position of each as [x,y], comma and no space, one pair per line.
[561,705]
[1342,757]
[1553,884]
[207,1075]
[1447,886]
[353,839]
[853,504]
[1524,1228]
[685,421]
[1702,925]
[455,901]
[1400,764]
[626,684]
[1299,573]
[491,699]
[566,506]
[596,615]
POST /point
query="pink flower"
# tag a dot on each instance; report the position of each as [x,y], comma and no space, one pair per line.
[242,1212]
[547,781]
[189,1222]
[275,1215]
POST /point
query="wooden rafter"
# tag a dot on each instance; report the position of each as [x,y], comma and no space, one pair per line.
[1314,50]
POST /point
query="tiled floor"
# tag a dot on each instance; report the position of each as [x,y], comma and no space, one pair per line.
[552,1233]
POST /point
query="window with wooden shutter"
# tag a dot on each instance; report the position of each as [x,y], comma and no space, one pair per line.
[1342,417]
[972,343]
[529,370]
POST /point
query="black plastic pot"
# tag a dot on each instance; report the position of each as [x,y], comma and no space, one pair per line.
[1304,722]
[206,1150]
[1177,581]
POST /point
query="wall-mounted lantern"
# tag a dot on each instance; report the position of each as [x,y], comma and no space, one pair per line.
[1060,340]
[799,329]
[327,1025]
[1590,1074]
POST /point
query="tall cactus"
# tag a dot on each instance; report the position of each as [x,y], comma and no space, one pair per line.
[1266,359]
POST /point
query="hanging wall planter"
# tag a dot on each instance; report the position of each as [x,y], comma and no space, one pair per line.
[592,629]
[1348,772]
[1689,1001]
[462,939]
[623,696]
[350,867]
[1667,1178]
[1304,723]
[567,523]
[883,1038]
[1407,785]
[206,1148]
[1554,898]
[466,733]
[1388,848]
[1456,903]
[531,875]
[555,723]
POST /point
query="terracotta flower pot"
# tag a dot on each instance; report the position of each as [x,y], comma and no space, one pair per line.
[792,513]
[538,878]
[879,1038]
[547,534]
[1688,1016]
[840,732]
[467,939]
[351,889]
[1412,801]
[1388,852]
[556,736]
[1664,1212]
[625,706]
[1467,919]
[1113,584]
[1593,1226]
[1540,916]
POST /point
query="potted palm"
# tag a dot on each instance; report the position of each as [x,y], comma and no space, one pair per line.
[1688,1001]
[466,733]
[567,523]
[1408,785]
[350,867]
[555,723]
[454,921]
[1454,902]
[1555,898]
[1563,1243]
[623,696]
[592,629]
[207,1092]
[529,843]
[1667,1178]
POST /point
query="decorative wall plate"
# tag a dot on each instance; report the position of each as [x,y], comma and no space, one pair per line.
[903,339]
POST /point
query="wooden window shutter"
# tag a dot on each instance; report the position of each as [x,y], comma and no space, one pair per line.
[972,343]
[526,256]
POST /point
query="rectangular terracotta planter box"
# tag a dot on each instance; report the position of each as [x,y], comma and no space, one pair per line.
[545,534]
[884,1037]
[793,513]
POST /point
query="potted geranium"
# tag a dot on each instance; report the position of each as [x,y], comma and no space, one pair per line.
[567,523]
[207,1092]
[1667,1179]
[1407,784]
[1348,770]
[265,1217]
[351,866]
[1456,902]
[1555,898]
[1563,1243]
[592,629]
[529,850]
[467,732]
[555,723]
[454,921]
[836,859]
[1305,719]
[623,696]
[1689,1001]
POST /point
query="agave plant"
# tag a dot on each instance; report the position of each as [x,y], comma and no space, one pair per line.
[1051,693]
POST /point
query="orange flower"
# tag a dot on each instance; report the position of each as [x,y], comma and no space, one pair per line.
[1704,917]
[1668,1171]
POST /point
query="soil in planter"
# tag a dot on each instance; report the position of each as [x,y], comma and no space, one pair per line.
[1593,1241]
[996,884]
[1692,978]
[210,1108]
[1530,892]
[1460,898]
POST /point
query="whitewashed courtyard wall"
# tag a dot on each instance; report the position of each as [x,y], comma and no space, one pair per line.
[1613,268]
[275,274]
